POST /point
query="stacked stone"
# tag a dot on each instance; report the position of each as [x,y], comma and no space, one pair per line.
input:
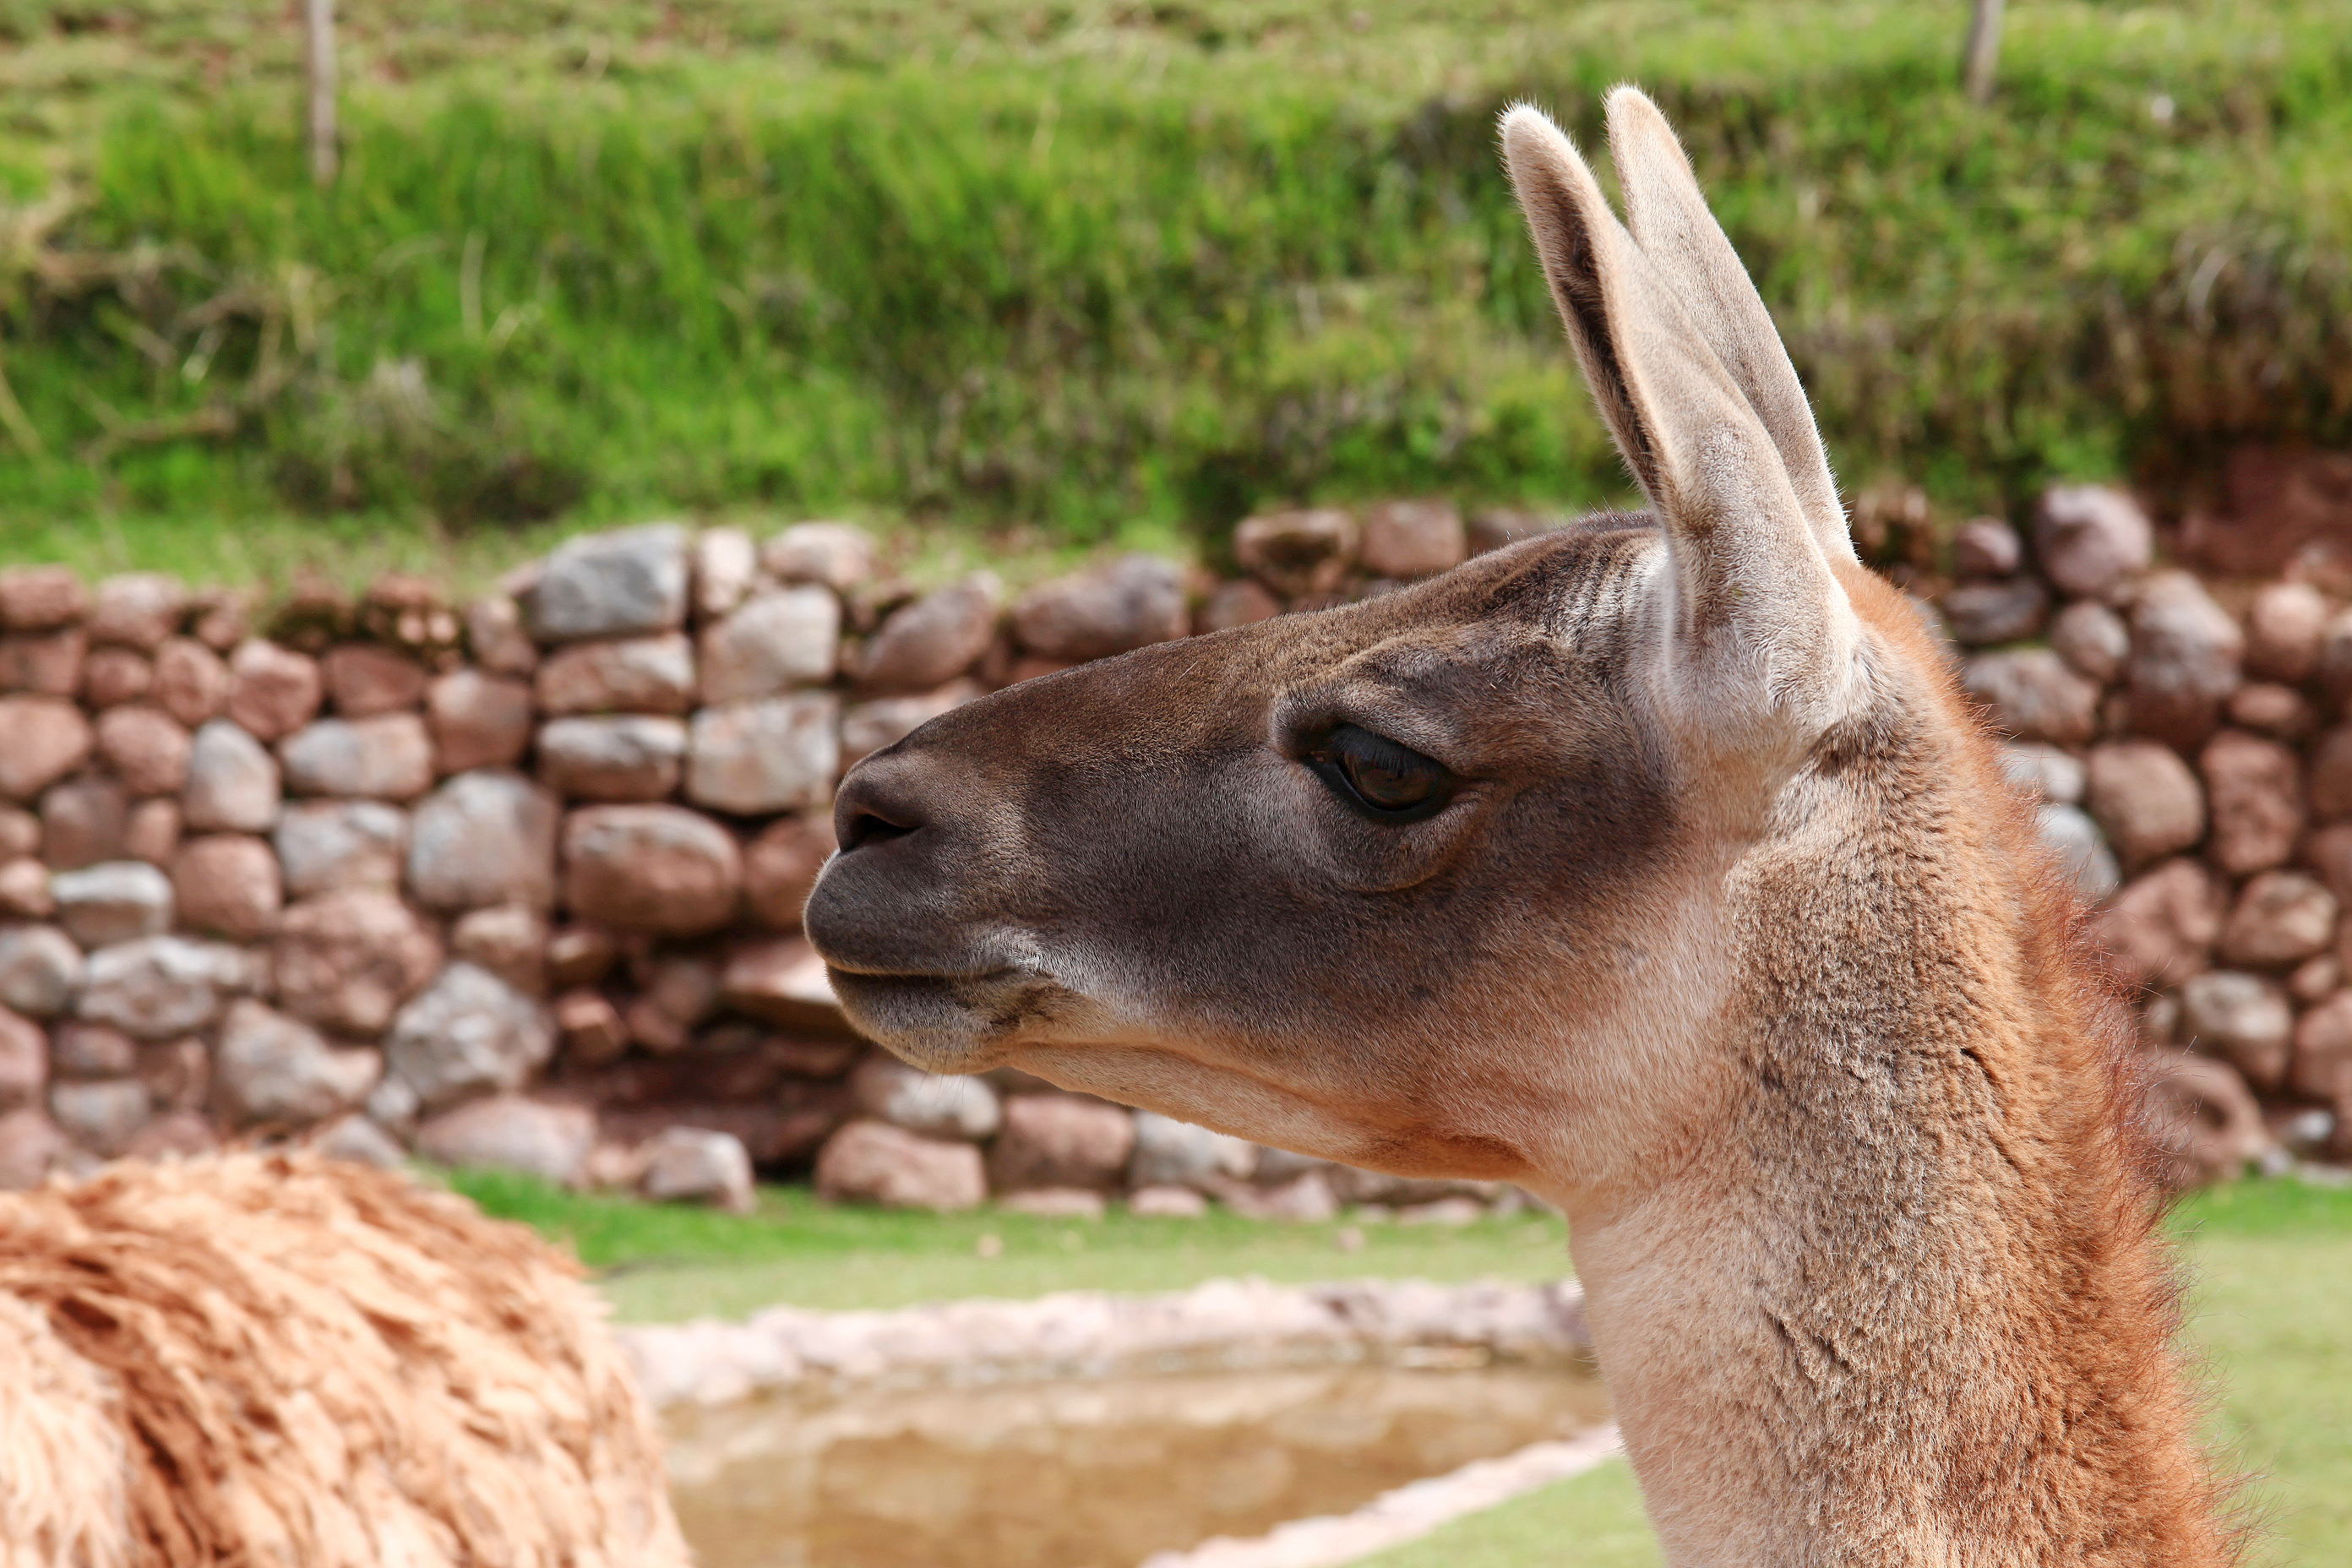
[519,883]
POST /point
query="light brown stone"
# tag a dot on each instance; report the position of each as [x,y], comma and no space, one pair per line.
[2322,1068]
[477,720]
[2145,799]
[1060,1140]
[228,884]
[151,831]
[136,610]
[633,675]
[778,753]
[25,889]
[934,639]
[780,866]
[20,832]
[84,821]
[781,640]
[838,554]
[507,940]
[2284,627]
[1296,553]
[1126,603]
[364,679]
[1239,603]
[146,747]
[48,738]
[591,1027]
[2281,918]
[496,638]
[47,665]
[1413,539]
[192,684]
[23,1061]
[2281,712]
[2186,654]
[83,1049]
[273,690]
[2161,928]
[874,1163]
[177,1073]
[2033,695]
[613,757]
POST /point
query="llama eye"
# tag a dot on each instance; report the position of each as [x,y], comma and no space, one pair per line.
[1390,781]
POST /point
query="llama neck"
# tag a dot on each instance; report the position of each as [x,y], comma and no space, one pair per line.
[1896,1298]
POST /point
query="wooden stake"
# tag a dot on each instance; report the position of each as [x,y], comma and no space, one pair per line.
[1983,52]
[319,59]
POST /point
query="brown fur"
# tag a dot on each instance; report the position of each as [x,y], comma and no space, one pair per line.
[1730,937]
[285,1361]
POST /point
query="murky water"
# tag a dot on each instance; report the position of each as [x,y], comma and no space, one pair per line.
[1088,1474]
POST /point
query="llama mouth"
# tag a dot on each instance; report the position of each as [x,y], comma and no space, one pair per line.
[946,1023]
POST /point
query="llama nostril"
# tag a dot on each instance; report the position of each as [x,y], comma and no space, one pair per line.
[866,827]
[869,812]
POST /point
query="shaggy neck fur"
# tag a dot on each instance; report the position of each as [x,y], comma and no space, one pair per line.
[1899,1300]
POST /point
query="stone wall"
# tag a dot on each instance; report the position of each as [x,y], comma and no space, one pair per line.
[517,882]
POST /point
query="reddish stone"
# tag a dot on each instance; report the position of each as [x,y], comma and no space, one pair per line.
[2091,639]
[23,1061]
[781,980]
[2204,1121]
[2033,695]
[495,635]
[578,955]
[613,757]
[780,754]
[2328,852]
[192,684]
[507,940]
[2281,918]
[782,638]
[177,1073]
[221,621]
[176,1135]
[2281,501]
[591,1028]
[2279,712]
[147,748]
[657,869]
[83,822]
[2284,627]
[138,609]
[2254,795]
[40,598]
[92,1050]
[2322,1067]
[780,866]
[228,883]
[875,1162]
[20,832]
[477,720]
[1060,1140]
[2331,775]
[1413,539]
[48,664]
[1129,602]
[633,675]
[30,1147]
[233,782]
[2091,539]
[2146,798]
[1242,604]
[838,554]
[2185,660]
[934,639]
[112,675]
[151,831]
[346,961]
[2161,928]
[364,679]
[1985,547]
[25,889]
[48,738]
[1296,553]
[273,690]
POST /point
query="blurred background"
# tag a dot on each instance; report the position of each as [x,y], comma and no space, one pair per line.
[300,301]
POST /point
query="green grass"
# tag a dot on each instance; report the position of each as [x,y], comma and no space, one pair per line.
[1102,270]
[658,1263]
[2270,1316]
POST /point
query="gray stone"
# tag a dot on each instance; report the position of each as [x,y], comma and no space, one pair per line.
[875,1162]
[387,757]
[2245,1019]
[778,754]
[927,1103]
[934,639]
[323,844]
[625,757]
[2034,696]
[2091,539]
[102,1116]
[467,1033]
[360,1140]
[119,900]
[2045,771]
[611,584]
[2185,660]
[697,1165]
[839,556]
[1131,603]
[270,1069]
[2091,639]
[39,968]
[484,838]
[162,987]
[1169,1152]
[1997,612]
[782,639]
[233,782]
[506,1131]
[2075,839]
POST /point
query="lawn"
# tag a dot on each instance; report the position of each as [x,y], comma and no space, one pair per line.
[2271,1296]
[1070,274]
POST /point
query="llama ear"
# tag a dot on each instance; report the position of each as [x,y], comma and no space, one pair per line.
[1760,625]
[1670,221]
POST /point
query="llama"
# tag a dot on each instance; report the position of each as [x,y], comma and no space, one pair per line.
[292,1363]
[1656,865]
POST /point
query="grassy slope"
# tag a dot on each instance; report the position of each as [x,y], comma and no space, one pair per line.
[1104,268]
[2269,1315]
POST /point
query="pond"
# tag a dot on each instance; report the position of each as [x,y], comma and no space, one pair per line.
[1088,1474]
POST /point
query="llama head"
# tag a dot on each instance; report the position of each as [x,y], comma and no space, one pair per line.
[1432,883]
